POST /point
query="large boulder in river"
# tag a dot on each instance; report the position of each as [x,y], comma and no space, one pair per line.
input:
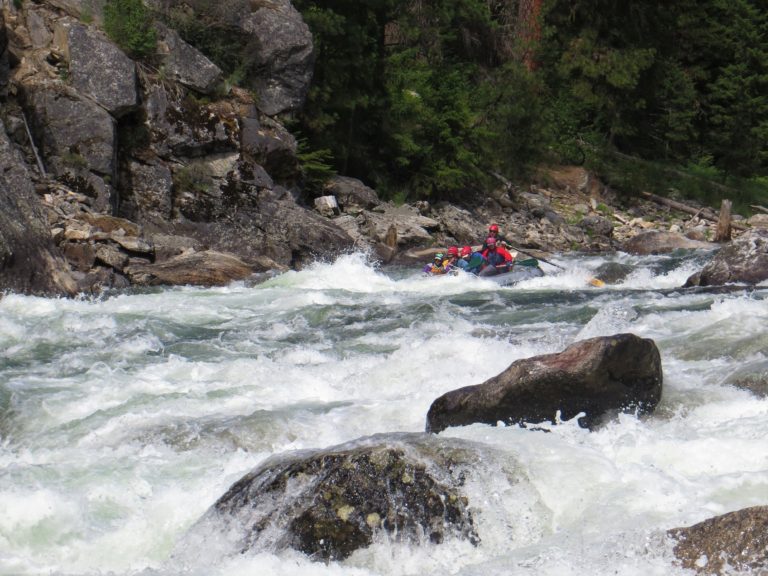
[596,376]
[660,242]
[743,260]
[205,268]
[329,503]
[736,542]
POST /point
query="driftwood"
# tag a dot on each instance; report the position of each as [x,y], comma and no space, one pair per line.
[706,213]
[32,145]
[723,233]
[759,208]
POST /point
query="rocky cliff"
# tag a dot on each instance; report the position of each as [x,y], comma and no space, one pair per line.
[112,166]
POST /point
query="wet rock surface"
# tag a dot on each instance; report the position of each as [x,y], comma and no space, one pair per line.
[329,503]
[598,377]
[743,260]
[734,543]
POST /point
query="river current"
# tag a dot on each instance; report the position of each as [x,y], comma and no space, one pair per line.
[123,418]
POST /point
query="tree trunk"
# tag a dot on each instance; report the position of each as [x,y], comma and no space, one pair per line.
[724,222]
[705,213]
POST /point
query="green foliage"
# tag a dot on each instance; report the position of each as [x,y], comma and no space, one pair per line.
[701,181]
[130,25]
[415,100]
[86,15]
[74,160]
[671,81]
[315,165]
[429,99]
[604,209]
[193,178]
[207,29]
[18,4]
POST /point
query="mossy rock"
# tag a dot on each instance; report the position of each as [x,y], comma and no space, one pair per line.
[330,503]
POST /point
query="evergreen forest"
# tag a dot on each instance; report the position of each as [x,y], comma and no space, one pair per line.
[438,99]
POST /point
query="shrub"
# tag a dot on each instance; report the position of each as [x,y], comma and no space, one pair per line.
[130,25]
[195,178]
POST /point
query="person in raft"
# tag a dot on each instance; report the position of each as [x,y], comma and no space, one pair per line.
[451,264]
[437,266]
[499,260]
[493,232]
[471,262]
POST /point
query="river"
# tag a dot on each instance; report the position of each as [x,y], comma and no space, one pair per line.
[124,417]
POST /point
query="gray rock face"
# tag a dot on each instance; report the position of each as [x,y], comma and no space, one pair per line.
[101,70]
[269,223]
[29,262]
[272,147]
[330,503]
[351,194]
[4,67]
[597,225]
[39,33]
[411,227]
[744,260]
[186,64]
[151,192]
[275,45]
[286,56]
[189,128]
[76,138]
[657,242]
[736,542]
[595,376]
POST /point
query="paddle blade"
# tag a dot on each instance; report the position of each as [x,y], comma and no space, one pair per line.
[596,282]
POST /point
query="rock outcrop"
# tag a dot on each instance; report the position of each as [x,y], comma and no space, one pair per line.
[164,150]
[100,70]
[330,503]
[279,69]
[661,242]
[29,261]
[206,268]
[736,542]
[743,260]
[598,376]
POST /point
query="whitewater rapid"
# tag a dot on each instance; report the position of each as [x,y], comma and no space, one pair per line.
[123,418]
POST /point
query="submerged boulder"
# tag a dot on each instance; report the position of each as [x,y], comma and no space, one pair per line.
[727,544]
[595,376]
[613,272]
[329,503]
[743,260]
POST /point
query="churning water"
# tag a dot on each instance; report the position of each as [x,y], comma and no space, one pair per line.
[122,419]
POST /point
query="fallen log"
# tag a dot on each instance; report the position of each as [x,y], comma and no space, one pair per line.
[759,208]
[705,213]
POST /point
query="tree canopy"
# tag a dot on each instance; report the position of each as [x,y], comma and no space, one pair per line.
[429,99]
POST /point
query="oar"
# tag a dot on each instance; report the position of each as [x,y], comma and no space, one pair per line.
[593,281]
